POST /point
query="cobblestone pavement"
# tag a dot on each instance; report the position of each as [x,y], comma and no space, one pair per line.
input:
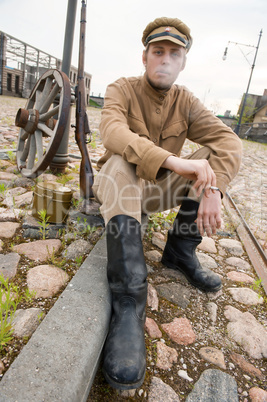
[199,346]
[249,189]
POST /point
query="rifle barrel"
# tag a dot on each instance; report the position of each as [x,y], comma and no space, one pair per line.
[82,124]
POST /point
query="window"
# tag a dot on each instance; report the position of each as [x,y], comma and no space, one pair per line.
[9,82]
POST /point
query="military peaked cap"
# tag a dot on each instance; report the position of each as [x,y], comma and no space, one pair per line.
[171,29]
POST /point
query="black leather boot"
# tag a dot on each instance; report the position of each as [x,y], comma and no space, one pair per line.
[124,352]
[180,249]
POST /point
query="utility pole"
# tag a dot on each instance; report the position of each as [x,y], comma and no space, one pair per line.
[237,128]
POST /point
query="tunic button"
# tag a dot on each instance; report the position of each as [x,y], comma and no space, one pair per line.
[158,111]
[161,98]
[155,140]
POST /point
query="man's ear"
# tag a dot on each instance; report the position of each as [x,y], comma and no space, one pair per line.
[144,57]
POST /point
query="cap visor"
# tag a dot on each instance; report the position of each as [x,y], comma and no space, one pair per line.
[169,38]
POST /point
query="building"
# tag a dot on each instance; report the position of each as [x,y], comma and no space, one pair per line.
[21,65]
[254,125]
[260,113]
[254,121]
[254,104]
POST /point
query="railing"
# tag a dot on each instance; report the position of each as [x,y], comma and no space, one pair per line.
[254,131]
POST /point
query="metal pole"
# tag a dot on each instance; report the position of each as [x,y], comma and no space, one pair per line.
[1,61]
[246,94]
[60,160]
[69,34]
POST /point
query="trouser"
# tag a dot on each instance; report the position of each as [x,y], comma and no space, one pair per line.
[121,192]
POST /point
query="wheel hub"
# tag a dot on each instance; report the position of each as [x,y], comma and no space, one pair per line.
[27,119]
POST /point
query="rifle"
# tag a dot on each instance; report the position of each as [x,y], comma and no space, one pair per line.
[82,123]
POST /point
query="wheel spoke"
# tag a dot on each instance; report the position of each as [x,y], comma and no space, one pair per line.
[38,99]
[46,90]
[24,135]
[32,152]
[25,151]
[45,129]
[48,101]
[39,144]
[50,113]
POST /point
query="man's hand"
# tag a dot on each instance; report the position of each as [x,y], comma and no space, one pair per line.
[209,214]
[197,170]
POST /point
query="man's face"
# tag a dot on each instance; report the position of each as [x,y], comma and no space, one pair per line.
[164,60]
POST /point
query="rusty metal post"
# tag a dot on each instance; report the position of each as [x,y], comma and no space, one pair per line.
[1,60]
[60,160]
[82,123]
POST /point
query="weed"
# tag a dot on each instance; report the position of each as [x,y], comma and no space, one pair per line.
[51,256]
[230,226]
[153,223]
[29,296]
[257,284]
[62,236]
[76,203]
[159,220]
[92,141]
[40,316]
[88,230]
[56,261]
[79,260]
[2,188]
[44,222]
[11,156]
[76,168]
[8,305]
[63,179]
[257,287]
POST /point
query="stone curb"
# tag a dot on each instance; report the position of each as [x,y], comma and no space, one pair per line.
[60,360]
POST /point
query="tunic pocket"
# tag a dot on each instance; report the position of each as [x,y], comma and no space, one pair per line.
[174,129]
[173,137]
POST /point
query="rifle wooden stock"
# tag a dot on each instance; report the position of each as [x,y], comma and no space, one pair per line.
[82,124]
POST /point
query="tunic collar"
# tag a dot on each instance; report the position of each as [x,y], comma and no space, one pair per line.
[153,94]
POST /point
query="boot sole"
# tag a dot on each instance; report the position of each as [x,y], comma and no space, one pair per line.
[176,268]
[123,386]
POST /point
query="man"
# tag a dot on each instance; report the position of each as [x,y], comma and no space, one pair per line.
[144,124]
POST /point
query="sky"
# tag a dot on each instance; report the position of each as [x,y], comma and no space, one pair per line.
[114,49]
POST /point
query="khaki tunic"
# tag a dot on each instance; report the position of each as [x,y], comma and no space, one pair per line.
[145,127]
